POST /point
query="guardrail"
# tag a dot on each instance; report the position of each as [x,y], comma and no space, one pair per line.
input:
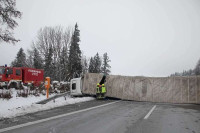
[52,98]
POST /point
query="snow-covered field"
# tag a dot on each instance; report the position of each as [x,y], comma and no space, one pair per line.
[19,105]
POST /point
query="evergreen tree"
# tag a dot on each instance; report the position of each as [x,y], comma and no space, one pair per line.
[48,67]
[105,66]
[63,63]
[74,65]
[37,60]
[190,72]
[97,64]
[84,62]
[91,65]
[29,61]
[197,68]
[20,60]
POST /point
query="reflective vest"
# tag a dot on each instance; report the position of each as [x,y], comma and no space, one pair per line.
[101,89]
[98,91]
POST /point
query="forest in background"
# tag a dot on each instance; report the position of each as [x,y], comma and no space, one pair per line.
[57,51]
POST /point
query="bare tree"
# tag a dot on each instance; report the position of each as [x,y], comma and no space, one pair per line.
[8,14]
[52,44]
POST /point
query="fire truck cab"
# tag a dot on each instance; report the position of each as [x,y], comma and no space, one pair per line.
[14,76]
[8,74]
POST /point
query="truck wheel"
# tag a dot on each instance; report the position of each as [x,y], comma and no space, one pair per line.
[12,85]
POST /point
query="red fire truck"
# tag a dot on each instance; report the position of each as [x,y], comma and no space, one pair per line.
[13,76]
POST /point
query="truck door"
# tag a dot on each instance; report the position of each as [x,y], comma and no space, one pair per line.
[18,74]
[9,74]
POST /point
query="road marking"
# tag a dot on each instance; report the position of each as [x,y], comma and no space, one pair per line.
[149,113]
[54,117]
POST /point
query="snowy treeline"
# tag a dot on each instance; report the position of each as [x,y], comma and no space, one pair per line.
[57,51]
[99,64]
[191,72]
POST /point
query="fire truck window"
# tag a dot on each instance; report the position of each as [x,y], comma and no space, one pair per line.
[10,71]
[74,86]
[2,70]
[18,72]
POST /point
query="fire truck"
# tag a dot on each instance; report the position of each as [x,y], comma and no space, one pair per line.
[13,77]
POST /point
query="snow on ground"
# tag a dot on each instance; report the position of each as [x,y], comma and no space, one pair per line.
[17,106]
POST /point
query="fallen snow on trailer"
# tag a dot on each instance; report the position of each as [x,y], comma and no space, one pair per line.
[17,106]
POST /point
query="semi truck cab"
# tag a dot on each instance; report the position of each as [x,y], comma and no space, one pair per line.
[76,85]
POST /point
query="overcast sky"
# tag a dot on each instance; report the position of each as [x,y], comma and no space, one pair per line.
[141,37]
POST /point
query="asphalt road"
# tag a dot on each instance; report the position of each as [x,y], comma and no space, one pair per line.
[117,117]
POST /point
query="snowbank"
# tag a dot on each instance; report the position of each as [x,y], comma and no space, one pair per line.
[17,106]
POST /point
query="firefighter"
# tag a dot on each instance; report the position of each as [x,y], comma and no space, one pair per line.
[103,91]
[98,94]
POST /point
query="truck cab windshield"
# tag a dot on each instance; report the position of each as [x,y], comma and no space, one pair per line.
[2,70]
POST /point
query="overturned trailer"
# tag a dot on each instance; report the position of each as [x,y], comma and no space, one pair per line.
[138,88]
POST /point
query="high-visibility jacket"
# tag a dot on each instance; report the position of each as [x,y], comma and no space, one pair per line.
[98,91]
[103,88]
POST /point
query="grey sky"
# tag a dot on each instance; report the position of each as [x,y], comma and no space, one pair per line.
[142,37]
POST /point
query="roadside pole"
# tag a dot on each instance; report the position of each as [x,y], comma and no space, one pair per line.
[47,85]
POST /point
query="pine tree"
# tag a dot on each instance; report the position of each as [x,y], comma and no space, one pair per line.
[63,63]
[84,62]
[197,68]
[37,60]
[74,65]
[48,67]
[29,61]
[20,60]
[105,66]
[91,65]
[97,64]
